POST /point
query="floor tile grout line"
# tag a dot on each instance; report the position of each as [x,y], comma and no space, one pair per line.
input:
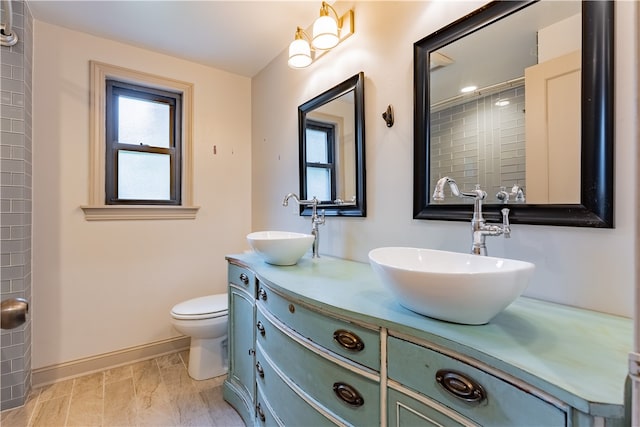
[33,410]
[104,396]
[73,386]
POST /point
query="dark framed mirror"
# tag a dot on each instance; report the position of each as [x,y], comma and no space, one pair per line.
[331,148]
[592,200]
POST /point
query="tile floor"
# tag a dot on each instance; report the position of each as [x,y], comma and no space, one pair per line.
[156,392]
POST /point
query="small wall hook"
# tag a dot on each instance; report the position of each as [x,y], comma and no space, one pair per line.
[388,116]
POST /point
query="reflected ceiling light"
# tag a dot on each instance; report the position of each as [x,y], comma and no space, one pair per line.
[438,60]
[468,89]
[328,32]
[300,51]
[502,102]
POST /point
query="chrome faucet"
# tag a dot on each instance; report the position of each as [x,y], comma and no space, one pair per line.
[516,192]
[316,219]
[479,228]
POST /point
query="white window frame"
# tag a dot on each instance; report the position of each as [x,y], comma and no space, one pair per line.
[97,209]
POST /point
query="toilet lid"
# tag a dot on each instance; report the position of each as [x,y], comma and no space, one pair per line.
[206,307]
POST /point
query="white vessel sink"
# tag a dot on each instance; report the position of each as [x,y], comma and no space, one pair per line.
[456,287]
[280,247]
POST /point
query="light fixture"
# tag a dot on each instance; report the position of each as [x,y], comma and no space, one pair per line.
[468,89]
[327,32]
[299,50]
[325,29]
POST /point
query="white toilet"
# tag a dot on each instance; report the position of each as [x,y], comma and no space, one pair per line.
[204,319]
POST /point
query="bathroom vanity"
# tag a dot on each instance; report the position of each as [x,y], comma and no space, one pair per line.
[322,343]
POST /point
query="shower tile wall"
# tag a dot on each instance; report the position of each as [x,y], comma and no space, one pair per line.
[479,142]
[16,64]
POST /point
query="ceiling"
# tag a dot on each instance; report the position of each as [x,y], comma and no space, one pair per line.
[240,37]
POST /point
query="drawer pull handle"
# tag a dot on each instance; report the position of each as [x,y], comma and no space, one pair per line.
[260,370]
[460,386]
[260,327]
[348,394]
[262,294]
[348,340]
[244,278]
[260,413]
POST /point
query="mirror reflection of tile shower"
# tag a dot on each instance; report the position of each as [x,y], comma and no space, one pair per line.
[481,141]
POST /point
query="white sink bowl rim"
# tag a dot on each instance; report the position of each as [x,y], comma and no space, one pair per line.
[451,286]
[280,247]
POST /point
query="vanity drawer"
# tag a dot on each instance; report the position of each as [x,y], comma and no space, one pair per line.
[496,403]
[265,415]
[345,391]
[362,345]
[290,407]
[243,278]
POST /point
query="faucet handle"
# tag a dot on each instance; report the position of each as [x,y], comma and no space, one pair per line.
[502,195]
[506,227]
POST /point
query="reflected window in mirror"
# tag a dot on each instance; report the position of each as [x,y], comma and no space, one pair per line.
[331,145]
[539,118]
[320,148]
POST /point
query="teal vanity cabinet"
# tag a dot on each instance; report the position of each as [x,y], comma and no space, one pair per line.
[323,343]
[239,388]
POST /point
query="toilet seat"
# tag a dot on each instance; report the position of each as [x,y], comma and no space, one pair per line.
[207,307]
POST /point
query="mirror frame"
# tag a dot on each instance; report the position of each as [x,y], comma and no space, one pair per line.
[597,123]
[355,83]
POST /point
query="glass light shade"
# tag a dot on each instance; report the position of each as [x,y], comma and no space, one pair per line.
[325,33]
[299,54]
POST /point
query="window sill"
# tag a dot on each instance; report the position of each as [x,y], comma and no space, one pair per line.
[115,213]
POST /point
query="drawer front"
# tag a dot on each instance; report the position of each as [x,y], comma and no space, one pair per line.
[352,341]
[349,395]
[265,416]
[291,409]
[503,404]
[406,411]
[243,278]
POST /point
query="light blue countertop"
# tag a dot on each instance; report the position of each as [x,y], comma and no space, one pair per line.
[576,355]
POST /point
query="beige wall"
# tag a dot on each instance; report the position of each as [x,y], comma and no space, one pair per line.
[584,267]
[105,286]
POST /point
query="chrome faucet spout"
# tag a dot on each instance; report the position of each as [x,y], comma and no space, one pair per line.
[438,193]
[316,219]
[479,228]
[285,202]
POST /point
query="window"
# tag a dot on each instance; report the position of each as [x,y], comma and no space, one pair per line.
[320,160]
[141,146]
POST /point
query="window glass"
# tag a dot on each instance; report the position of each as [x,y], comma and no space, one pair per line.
[143,122]
[317,146]
[143,145]
[143,176]
[319,183]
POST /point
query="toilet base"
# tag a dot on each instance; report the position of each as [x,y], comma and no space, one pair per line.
[207,358]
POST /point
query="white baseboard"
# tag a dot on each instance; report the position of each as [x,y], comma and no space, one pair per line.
[63,371]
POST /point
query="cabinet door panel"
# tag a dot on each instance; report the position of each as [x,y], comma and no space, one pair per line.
[241,341]
[406,411]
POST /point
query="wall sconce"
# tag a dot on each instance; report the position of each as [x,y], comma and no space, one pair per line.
[327,33]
